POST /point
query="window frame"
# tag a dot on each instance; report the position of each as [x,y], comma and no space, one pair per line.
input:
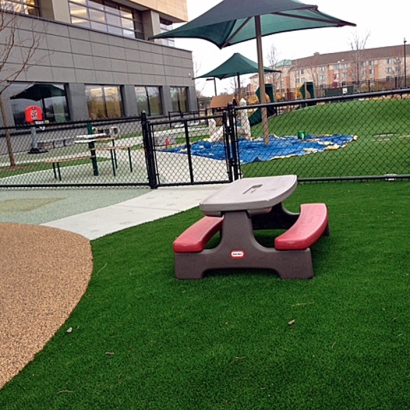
[55,108]
[101,15]
[178,91]
[103,105]
[149,93]
[26,7]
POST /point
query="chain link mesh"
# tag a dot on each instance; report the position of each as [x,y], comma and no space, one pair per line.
[355,136]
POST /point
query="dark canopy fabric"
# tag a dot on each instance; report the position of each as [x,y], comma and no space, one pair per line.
[234,66]
[39,92]
[232,21]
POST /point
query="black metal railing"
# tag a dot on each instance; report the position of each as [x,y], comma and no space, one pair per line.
[362,136]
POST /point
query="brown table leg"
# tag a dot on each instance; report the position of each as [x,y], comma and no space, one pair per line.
[238,249]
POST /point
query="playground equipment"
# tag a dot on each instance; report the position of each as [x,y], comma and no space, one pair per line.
[244,127]
[256,117]
[215,133]
[307,90]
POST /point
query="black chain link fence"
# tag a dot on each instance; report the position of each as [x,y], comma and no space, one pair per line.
[103,153]
[175,162]
[362,136]
[349,137]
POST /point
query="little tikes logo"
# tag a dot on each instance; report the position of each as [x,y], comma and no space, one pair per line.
[237,254]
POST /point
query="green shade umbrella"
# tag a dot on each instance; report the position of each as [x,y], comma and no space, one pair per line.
[236,66]
[232,21]
[235,21]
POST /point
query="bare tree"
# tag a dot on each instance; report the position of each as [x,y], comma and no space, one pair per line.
[272,58]
[237,89]
[398,71]
[358,45]
[17,54]
[296,78]
[199,84]
[314,69]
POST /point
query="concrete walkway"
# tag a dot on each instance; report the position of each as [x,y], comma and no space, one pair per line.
[153,205]
[95,213]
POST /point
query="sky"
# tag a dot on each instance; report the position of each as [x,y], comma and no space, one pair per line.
[384,24]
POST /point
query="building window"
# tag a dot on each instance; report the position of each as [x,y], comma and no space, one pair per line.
[30,7]
[179,99]
[103,101]
[166,26]
[322,69]
[322,78]
[371,71]
[51,98]
[389,61]
[107,16]
[149,100]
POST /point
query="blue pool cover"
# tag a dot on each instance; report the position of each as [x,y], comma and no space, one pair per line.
[279,147]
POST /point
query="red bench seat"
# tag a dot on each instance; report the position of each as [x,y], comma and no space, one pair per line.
[198,235]
[308,228]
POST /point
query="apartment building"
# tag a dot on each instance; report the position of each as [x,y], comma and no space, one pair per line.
[92,59]
[348,71]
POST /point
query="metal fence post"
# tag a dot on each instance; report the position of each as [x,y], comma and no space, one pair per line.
[149,152]
[234,160]
[226,127]
[91,146]
[189,153]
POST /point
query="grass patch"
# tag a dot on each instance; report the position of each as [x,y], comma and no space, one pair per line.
[366,117]
[21,169]
[383,144]
[6,172]
[143,340]
[192,138]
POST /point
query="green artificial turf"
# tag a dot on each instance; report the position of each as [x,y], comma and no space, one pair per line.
[382,146]
[143,340]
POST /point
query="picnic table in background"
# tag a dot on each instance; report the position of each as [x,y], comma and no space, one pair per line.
[92,139]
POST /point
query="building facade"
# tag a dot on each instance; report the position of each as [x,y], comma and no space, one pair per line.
[91,59]
[347,71]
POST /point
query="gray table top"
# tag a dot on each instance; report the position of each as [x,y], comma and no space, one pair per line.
[254,195]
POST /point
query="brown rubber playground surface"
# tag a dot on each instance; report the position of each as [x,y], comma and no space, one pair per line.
[43,274]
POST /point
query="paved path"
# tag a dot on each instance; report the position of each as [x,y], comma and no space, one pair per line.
[95,213]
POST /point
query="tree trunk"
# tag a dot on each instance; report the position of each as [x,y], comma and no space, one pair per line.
[8,136]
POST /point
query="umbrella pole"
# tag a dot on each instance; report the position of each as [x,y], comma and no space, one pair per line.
[239,88]
[265,126]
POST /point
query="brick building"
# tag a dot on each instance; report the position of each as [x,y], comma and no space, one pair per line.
[361,70]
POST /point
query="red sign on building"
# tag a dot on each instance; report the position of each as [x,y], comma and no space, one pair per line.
[33,114]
